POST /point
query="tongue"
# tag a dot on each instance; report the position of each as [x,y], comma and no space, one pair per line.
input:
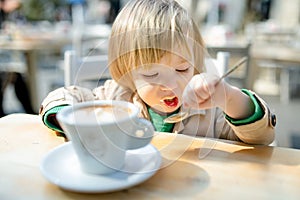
[171,102]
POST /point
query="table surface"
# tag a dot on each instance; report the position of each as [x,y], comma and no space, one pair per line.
[277,53]
[50,41]
[29,47]
[35,43]
[226,170]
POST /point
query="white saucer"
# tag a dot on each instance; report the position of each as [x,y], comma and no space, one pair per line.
[61,167]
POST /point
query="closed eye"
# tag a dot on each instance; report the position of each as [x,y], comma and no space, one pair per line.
[150,75]
[182,70]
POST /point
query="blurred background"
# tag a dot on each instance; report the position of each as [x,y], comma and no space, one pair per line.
[36,33]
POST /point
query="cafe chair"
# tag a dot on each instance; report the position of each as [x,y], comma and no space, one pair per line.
[218,65]
[85,71]
[244,76]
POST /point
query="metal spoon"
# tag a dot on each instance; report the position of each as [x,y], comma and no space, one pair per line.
[183,115]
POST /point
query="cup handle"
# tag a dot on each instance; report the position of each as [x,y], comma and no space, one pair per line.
[143,134]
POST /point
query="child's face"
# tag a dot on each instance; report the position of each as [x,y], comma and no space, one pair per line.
[161,85]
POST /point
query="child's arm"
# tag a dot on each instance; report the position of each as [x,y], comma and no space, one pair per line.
[66,96]
[59,98]
[247,114]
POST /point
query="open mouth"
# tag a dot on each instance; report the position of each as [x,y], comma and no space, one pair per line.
[171,102]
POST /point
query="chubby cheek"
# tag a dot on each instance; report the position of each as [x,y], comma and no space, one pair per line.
[182,83]
[147,93]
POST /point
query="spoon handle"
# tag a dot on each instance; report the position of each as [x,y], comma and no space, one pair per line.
[237,65]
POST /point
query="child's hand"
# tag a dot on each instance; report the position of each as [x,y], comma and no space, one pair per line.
[203,92]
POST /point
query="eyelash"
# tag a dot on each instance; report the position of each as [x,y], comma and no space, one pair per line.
[182,70]
[178,70]
[150,76]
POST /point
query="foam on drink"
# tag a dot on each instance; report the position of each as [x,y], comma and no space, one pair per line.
[99,114]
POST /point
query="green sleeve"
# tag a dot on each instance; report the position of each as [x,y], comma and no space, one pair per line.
[257,115]
[50,120]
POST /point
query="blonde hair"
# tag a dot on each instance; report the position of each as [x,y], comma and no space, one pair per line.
[145,30]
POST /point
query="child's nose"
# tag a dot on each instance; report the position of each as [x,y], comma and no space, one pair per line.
[169,84]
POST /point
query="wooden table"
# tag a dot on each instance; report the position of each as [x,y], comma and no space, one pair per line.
[284,57]
[30,47]
[226,170]
[53,41]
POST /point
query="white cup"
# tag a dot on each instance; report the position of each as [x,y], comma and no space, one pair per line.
[101,132]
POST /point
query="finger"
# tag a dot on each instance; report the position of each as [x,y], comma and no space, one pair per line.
[205,88]
[207,104]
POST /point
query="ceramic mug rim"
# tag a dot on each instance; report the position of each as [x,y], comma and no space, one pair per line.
[62,114]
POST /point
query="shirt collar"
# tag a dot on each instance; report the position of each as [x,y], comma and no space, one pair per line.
[179,126]
[197,112]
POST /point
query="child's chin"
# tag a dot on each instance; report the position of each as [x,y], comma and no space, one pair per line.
[171,109]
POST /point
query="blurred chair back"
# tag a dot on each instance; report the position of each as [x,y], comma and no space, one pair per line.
[219,64]
[244,76]
[78,70]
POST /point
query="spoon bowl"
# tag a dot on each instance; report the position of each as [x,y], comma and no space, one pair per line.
[177,117]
